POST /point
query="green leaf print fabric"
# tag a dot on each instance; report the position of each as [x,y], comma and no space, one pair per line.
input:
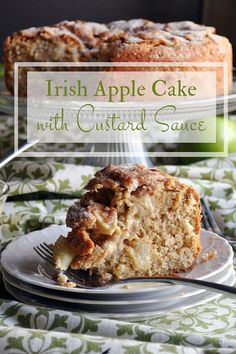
[207,328]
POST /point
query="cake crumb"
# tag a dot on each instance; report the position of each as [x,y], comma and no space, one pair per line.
[126,286]
[208,256]
[63,280]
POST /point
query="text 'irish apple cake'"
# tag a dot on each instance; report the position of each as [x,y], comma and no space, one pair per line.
[132,221]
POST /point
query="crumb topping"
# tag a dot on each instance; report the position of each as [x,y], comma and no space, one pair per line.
[91,34]
[127,176]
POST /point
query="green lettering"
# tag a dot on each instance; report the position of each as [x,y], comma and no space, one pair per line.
[100,89]
[49,87]
[78,118]
[154,87]
[162,123]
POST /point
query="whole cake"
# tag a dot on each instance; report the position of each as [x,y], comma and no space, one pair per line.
[132,221]
[120,41]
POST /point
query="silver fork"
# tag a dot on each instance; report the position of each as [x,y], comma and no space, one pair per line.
[209,223]
[79,276]
[85,281]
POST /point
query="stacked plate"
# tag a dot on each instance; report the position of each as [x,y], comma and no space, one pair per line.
[28,278]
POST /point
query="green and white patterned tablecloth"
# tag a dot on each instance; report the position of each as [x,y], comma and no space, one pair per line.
[209,328]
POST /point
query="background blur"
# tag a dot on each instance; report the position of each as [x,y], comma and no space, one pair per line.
[19,14]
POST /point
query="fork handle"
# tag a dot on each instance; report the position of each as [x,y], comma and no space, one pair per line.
[218,288]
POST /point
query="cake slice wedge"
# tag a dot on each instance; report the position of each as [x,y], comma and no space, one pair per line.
[132,221]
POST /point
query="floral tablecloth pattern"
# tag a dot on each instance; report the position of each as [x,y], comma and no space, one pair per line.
[42,188]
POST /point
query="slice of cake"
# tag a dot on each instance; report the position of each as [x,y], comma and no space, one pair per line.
[133,221]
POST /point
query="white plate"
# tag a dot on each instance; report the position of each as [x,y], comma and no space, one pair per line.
[74,298]
[137,315]
[20,261]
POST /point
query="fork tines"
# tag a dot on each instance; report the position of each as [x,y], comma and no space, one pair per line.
[209,223]
[45,252]
[208,220]
[42,251]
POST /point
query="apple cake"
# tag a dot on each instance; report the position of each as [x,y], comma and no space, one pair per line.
[135,40]
[132,221]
